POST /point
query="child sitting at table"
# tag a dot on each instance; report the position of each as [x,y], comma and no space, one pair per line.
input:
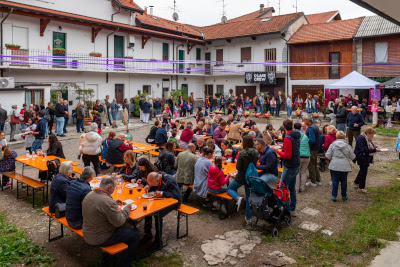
[216,181]
[238,150]
[28,133]
[173,138]
[228,155]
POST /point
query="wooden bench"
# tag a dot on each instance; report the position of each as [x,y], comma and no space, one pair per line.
[29,182]
[184,211]
[116,166]
[223,197]
[112,250]
[77,170]
[154,153]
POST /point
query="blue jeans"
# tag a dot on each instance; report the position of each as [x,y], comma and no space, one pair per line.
[47,129]
[258,109]
[269,178]
[341,127]
[129,236]
[23,125]
[220,191]
[289,112]
[262,108]
[158,113]
[289,179]
[79,125]
[232,191]
[37,144]
[108,116]
[2,126]
[66,120]
[339,177]
[278,108]
[272,111]
[59,125]
[114,114]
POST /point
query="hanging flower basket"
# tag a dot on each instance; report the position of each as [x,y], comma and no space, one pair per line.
[12,46]
[59,51]
[94,54]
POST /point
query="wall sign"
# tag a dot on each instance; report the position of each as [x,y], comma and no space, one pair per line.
[266,77]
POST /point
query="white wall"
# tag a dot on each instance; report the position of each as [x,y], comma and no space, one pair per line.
[9,98]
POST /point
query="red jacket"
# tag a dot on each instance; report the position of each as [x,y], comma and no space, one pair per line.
[216,178]
[186,135]
[22,115]
[329,139]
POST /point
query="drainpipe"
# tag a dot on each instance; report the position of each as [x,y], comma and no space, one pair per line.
[1,36]
[177,55]
[108,51]
[287,70]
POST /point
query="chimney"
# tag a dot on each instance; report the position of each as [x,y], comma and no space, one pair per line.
[151,10]
[145,10]
[261,8]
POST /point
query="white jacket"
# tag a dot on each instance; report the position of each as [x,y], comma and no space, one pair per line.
[90,143]
[340,153]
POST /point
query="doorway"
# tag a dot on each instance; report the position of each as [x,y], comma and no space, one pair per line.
[208,91]
[181,58]
[59,48]
[208,65]
[118,51]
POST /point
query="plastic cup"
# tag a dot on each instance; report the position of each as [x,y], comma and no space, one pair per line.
[130,191]
[144,205]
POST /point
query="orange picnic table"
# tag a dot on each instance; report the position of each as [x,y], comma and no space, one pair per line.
[40,164]
[141,148]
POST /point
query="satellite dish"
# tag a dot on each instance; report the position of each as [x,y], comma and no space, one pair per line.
[175,16]
[224,19]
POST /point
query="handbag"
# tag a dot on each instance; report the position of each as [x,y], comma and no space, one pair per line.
[60,210]
[14,120]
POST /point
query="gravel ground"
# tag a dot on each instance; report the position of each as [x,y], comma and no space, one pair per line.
[73,251]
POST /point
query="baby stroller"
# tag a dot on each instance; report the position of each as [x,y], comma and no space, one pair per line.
[266,205]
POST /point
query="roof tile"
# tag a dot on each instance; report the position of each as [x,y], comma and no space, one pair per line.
[332,31]
[248,27]
[321,17]
[376,26]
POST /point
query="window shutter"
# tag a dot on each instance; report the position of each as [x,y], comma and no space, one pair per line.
[220,56]
[198,54]
[165,51]
[245,54]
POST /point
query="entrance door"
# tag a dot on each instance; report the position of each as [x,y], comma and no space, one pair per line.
[207,66]
[208,91]
[181,58]
[59,48]
[247,91]
[118,51]
[185,89]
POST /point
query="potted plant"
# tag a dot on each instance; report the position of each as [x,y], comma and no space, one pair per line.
[129,57]
[12,46]
[95,54]
[60,51]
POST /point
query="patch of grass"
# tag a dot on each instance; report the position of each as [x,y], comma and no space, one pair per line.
[387,131]
[17,248]
[172,260]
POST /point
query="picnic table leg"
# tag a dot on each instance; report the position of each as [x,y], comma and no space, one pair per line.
[43,196]
[33,195]
[160,229]
[17,189]
[47,186]
[1,182]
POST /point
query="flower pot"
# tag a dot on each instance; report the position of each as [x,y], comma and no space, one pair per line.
[95,55]
[13,47]
[59,52]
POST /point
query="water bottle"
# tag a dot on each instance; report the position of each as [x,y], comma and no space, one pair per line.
[27,154]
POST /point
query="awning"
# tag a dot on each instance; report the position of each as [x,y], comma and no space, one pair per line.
[353,80]
[391,84]
[388,9]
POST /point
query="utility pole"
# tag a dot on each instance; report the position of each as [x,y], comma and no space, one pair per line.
[296,6]
[279,6]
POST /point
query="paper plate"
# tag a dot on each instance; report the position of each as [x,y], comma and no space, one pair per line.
[130,186]
[384,149]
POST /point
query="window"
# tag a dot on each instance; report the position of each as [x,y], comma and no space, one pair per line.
[381,52]
[245,54]
[20,36]
[165,51]
[220,89]
[220,57]
[334,71]
[270,56]
[119,93]
[34,97]
[147,89]
[198,53]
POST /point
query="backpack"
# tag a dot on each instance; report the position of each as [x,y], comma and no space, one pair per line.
[8,165]
[101,108]
[53,167]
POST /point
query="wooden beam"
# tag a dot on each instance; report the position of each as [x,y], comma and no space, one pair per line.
[145,39]
[43,25]
[190,47]
[95,32]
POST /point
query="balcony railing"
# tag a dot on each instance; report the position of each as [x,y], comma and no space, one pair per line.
[44,59]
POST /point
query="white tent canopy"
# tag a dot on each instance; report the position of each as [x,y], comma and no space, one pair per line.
[353,80]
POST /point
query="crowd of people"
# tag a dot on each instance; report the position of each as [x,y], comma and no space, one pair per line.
[192,156]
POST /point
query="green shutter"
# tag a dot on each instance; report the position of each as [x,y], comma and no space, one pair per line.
[165,51]
[198,54]
[118,46]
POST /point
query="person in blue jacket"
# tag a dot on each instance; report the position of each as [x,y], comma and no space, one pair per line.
[161,135]
[146,107]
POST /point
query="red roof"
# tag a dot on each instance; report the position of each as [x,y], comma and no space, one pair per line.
[252,15]
[179,28]
[130,4]
[249,27]
[323,32]
[21,9]
[322,17]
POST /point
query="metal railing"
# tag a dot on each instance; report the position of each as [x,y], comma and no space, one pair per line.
[46,59]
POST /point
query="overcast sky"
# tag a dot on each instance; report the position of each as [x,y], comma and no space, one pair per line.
[207,12]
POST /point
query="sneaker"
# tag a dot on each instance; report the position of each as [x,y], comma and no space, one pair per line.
[7,186]
[333,199]
[248,221]
[238,202]
[311,184]
[365,191]
[63,135]
[293,213]
[345,198]
[319,183]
